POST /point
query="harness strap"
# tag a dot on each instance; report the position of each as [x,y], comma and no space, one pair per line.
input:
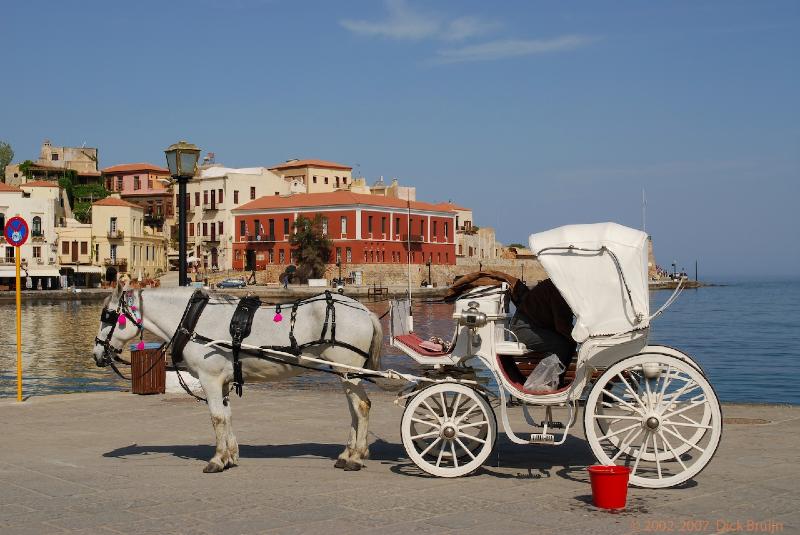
[241,324]
[292,320]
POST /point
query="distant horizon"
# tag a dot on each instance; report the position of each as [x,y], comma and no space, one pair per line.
[532,115]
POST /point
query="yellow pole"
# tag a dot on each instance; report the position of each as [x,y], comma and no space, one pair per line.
[19,331]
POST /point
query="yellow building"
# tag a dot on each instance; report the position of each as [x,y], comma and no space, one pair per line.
[122,240]
[317,176]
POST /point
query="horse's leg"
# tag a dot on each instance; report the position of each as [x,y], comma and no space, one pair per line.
[232,444]
[344,457]
[214,395]
[359,409]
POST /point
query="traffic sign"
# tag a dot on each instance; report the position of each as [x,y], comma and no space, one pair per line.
[16,231]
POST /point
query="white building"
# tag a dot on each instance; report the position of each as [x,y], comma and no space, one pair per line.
[39,206]
[213,194]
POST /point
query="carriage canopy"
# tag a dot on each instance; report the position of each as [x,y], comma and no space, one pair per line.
[601,271]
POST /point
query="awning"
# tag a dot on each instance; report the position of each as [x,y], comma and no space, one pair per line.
[43,272]
[85,269]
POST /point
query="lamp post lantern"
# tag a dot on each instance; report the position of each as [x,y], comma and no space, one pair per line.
[182,162]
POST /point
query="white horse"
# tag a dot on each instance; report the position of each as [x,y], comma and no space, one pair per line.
[160,310]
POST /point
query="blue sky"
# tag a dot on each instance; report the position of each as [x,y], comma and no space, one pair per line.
[536,114]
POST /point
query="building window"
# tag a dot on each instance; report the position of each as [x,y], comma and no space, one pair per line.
[258,229]
[383,225]
[236,196]
[237,254]
[348,254]
[64,247]
[37,251]
[343,224]
[252,193]
[422,228]
[365,257]
[324,226]
[344,180]
[137,184]
[286,226]
[435,229]
[205,198]
[149,183]
[10,254]
[282,256]
[112,224]
[219,196]
[326,180]
[84,247]
[113,252]
[369,224]
[196,198]
[36,228]
[315,180]
[219,227]
[119,183]
[271,256]
[2,221]
[337,181]
[460,249]
[205,229]
[397,225]
[54,156]
[446,231]
[242,229]
[191,229]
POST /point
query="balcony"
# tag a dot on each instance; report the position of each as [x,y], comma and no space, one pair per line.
[120,263]
[115,234]
[414,238]
[154,220]
[262,238]
[210,206]
[37,236]
[214,238]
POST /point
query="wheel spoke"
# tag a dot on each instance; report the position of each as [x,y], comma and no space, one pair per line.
[474,424]
[455,405]
[431,445]
[679,437]
[425,435]
[683,409]
[617,417]
[681,424]
[441,451]
[455,457]
[425,422]
[444,405]
[642,449]
[470,437]
[633,393]
[615,433]
[465,448]
[655,452]
[438,419]
[460,418]
[670,399]
[625,443]
[625,403]
[674,454]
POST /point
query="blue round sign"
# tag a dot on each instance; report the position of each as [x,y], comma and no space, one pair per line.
[16,231]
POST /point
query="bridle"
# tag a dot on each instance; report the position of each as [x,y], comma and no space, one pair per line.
[111,317]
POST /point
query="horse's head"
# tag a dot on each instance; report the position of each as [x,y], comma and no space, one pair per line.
[119,323]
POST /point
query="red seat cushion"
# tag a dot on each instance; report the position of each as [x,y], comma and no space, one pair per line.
[412,341]
[512,374]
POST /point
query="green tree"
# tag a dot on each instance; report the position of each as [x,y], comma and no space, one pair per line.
[6,155]
[516,245]
[311,247]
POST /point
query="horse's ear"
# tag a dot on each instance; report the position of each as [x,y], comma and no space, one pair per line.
[123,283]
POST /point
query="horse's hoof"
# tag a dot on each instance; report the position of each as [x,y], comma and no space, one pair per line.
[340,463]
[213,468]
[352,467]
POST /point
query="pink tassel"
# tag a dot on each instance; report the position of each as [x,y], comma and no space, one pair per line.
[133,308]
[277,318]
[140,345]
[122,321]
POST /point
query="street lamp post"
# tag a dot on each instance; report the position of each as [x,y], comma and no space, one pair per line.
[339,265]
[182,163]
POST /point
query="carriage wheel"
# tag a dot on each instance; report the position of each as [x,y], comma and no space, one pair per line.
[448,430]
[665,426]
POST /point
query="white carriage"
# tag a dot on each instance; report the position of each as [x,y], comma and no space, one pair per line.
[649,407]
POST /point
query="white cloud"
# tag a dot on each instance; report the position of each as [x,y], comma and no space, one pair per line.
[406,23]
[509,48]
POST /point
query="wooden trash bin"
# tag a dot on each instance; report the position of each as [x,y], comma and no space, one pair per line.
[148,369]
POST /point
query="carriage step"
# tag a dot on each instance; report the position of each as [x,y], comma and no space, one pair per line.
[554,425]
[542,438]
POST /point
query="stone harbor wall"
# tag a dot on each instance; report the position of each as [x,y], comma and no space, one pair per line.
[397,274]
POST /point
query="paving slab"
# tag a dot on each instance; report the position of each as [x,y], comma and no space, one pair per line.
[118,463]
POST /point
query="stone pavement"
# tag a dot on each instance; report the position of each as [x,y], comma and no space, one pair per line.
[119,463]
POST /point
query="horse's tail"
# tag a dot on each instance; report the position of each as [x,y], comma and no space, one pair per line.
[376,347]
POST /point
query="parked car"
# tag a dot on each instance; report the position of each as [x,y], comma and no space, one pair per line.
[232,283]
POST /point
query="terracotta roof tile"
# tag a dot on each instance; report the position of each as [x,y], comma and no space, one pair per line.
[140,166]
[113,201]
[447,206]
[312,200]
[293,164]
[8,187]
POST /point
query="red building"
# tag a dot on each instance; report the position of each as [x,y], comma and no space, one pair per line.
[365,229]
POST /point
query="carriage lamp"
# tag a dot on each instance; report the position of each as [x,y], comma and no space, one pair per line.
[182,162]
[472,317]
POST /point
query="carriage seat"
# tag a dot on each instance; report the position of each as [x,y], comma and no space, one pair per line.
[511,370]
[414,343]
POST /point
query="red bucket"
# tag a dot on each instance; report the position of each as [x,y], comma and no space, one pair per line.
[609,486]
